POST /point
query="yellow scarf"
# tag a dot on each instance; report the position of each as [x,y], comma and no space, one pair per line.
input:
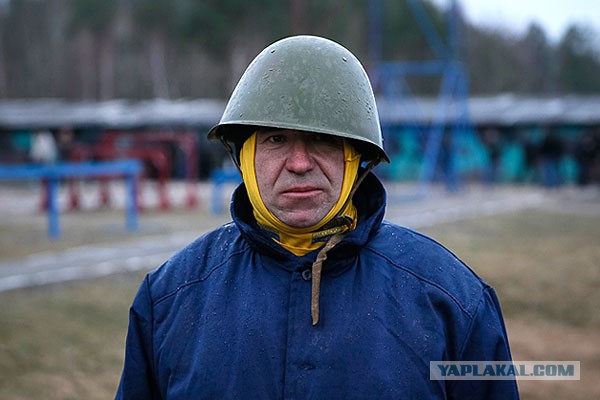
[300,241]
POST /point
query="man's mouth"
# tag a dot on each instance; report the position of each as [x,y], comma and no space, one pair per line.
[302,191]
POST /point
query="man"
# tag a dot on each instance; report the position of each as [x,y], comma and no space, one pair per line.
[308,294]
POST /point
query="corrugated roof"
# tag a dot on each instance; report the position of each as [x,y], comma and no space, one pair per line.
[54,113]
[506,109]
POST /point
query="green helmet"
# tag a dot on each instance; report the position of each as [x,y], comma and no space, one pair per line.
[306,83]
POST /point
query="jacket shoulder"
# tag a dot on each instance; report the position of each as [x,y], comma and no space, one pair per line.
[196,262]
[411,252]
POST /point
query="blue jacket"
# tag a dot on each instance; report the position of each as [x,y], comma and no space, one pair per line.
[228,317]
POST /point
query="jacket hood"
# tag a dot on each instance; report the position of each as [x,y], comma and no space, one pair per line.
[370,202]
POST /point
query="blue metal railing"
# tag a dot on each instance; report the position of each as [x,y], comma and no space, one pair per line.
[53,173]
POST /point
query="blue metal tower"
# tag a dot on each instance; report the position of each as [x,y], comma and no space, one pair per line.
[451,109]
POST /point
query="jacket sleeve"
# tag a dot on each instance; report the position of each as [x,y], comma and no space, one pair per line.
[486,341]
[138,379]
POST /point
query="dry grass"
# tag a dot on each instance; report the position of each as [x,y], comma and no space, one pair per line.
[66,341]
[546,269]
[28,234]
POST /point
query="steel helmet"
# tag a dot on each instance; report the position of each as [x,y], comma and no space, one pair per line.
[307,83]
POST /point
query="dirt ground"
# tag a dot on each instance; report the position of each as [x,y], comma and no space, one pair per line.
[539,339]
[543,259]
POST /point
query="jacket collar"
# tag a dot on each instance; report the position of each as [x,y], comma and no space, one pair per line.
[369,199]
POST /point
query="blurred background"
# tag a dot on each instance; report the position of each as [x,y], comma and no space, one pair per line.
[490,113]
[516,94]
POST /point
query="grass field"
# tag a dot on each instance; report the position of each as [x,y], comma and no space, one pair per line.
[545,267]
[66,341]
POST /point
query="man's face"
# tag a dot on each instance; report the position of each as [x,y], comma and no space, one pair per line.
[299,174]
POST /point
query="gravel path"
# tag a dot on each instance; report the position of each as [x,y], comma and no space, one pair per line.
[145,253]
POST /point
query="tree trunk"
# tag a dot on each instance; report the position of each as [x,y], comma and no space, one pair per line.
[158,67]
[3,83]
[107,67]
[87,76]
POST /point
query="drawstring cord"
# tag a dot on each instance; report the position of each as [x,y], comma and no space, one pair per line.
[317,267]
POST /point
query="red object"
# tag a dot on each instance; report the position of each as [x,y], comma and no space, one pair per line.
[150,147]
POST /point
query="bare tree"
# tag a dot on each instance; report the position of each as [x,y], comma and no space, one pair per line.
[157,20]
[534,53]
[94,24]
[3,86]
[157,45]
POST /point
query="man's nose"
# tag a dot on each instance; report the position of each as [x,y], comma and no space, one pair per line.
[299,159]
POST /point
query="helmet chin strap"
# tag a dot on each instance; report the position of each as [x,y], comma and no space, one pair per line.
[317,266]
[372,164]
[231,154]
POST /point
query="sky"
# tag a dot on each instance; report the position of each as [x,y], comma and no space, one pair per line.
[515,15]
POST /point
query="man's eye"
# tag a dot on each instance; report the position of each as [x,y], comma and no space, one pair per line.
[276,139]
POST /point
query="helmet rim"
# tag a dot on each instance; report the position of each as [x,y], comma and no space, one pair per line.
[306,83]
